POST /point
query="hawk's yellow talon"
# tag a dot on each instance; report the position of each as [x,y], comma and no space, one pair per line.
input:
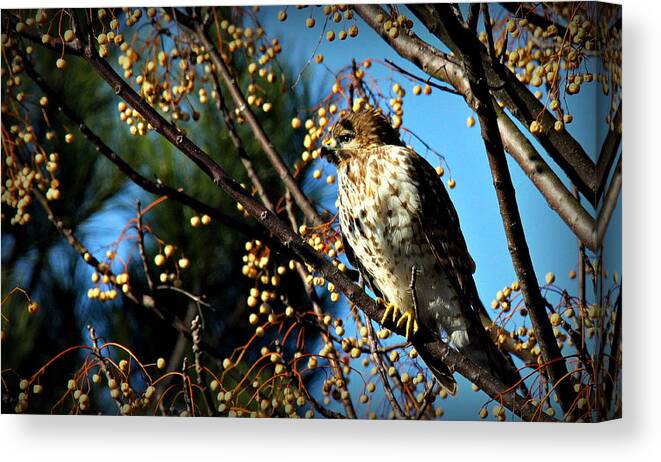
[408,317]
[389,308]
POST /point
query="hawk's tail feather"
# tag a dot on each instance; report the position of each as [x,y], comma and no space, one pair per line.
[483,352]
[442,373]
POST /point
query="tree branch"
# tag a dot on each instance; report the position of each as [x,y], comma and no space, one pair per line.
[238,144]
[157,188]
[508,205]
[609,204]
[608,152]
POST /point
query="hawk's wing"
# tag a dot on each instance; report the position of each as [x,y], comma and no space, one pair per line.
[440,224]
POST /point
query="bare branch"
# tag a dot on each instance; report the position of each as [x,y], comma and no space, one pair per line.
[508,205]
[238,144]
[141,247]
[376,357]
[609,204]
[608,152]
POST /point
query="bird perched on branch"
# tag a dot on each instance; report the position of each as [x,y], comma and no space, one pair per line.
[402,233]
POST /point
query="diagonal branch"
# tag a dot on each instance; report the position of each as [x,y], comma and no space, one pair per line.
[608,152]
[610,202]
[238,144]
[157,188]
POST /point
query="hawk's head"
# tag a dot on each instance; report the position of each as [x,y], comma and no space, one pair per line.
[357,131]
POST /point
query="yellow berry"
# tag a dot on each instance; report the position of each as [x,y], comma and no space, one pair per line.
[33,308]
[168,250]
[555,319]
[160,363]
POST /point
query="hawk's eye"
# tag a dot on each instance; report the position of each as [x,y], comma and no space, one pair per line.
[345,137]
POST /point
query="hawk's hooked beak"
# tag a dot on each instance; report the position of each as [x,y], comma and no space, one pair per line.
[329,150]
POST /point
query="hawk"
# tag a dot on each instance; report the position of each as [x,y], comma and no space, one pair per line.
[402,233]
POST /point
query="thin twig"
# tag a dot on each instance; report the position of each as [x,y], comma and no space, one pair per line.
[102,361]
[141,247]
[426,81]
[376,357]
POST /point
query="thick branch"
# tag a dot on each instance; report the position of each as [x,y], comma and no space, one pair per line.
[609,204]
[608,152]
[508,206]
[557,196]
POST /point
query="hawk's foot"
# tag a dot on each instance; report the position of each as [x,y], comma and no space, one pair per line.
[409,317]
[389,308]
